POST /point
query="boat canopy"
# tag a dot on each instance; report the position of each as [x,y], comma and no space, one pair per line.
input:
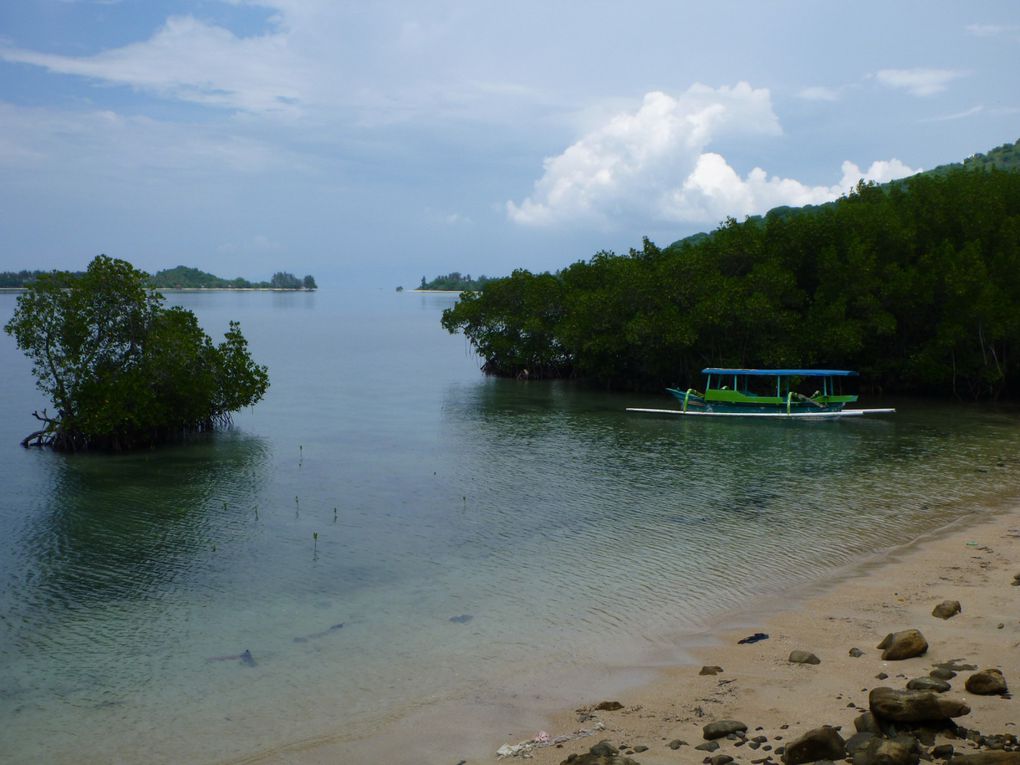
[781,372]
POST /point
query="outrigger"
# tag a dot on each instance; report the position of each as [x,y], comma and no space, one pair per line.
[769,393]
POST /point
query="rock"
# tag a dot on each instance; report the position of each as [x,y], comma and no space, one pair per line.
[640,748]
[903,645]
[943,751]
[881,676]
[947,609]
[899,751]
[804,657]
[987,758]
[721,759]
[597,755]
[608,706]
[858,741]
[708,746]
[928,684]
[856,653]
[866,723]
[987,682]
[942,673]
[710,670]
[823,743]
[722,728]
[677,743]
[913,706]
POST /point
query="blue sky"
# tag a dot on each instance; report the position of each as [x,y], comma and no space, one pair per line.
[373,143]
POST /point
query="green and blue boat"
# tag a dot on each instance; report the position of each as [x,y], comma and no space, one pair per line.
[805,393]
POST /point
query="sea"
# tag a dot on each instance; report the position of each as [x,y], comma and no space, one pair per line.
[393,552]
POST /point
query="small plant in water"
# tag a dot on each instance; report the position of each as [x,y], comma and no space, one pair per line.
[297,506]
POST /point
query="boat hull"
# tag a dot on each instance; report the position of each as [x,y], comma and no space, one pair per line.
[692,401]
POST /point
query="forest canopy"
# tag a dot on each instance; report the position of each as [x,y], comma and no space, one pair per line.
[915,284]
[121,369]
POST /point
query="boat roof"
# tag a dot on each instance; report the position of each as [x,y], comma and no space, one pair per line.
[780,372]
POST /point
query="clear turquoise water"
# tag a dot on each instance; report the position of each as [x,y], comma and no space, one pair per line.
[473,535]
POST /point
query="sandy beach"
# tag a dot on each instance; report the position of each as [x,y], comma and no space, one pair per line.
[973,562]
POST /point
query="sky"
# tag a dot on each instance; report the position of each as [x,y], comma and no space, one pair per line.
[373,143]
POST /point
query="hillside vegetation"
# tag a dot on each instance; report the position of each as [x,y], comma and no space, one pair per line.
[916,284]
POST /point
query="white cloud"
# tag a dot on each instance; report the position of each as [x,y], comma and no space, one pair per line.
[993,30]
[918,81]
[190,60]
[819,93]
[958,115]
[652,164]
[623,161]
[881,171]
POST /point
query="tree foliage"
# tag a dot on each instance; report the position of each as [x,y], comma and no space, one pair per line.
[121,370]
[454,281]
[916,284]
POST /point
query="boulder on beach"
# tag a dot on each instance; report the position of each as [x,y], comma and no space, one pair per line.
[913,706]
[804,657]
[603,753]
[928,684]
[903,645]
[823,743]
[987,758]
[946,609]
[710,670]
[902,750]
[721,728]
[608,706]
[987,682]
[866,723]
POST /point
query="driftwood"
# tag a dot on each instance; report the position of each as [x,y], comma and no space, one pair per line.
[44,437]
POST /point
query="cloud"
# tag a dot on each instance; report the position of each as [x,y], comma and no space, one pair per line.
[620,162]
[190,60]
[958,115]
[652,164]
[918,81]
[993,30]
[819,93]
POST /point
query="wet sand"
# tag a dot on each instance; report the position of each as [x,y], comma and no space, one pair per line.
[971,563]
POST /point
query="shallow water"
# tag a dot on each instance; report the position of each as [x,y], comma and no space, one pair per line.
[470,531]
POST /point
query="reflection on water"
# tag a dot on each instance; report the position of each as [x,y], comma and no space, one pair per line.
[465,532]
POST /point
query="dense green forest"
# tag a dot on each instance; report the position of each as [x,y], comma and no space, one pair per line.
[182,277]
[916,284]
[454,281]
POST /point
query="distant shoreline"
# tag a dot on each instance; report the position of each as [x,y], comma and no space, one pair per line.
[200,289]
[436,292]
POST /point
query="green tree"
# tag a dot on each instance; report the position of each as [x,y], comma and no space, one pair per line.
[121,370]
[283,280]
[309,283]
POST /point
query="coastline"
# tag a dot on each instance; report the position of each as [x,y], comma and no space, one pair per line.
[666,699]
[971,560]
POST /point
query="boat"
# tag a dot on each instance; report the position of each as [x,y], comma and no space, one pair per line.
[770,393]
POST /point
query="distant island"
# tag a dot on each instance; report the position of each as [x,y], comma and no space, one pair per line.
[453,282]
[183,277]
